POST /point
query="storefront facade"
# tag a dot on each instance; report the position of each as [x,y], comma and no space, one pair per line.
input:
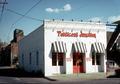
[65,47]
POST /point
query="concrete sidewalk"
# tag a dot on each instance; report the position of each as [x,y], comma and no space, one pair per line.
[81,76]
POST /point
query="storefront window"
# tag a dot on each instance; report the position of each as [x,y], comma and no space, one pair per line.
[54,59]
[93,59]
[57,59]
[60,59]
[96,59]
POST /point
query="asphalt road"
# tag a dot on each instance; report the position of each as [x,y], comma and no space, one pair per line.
[22,80]
[12,76]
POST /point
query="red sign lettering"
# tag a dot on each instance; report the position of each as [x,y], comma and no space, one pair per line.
[75,34]
[87,35]
[67,34]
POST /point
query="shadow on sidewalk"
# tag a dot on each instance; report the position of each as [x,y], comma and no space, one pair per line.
[14,72]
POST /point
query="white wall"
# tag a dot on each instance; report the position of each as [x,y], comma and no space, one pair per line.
[32,43]
[100,37]
[51,28]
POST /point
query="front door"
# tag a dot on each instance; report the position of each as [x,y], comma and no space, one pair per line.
[78,63]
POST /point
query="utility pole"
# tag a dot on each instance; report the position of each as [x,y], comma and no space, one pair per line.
[3,4]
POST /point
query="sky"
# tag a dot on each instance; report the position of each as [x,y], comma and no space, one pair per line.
[29,14]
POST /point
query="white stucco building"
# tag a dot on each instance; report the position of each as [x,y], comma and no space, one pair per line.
[68,47]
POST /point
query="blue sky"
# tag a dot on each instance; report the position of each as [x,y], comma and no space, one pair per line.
[86,10]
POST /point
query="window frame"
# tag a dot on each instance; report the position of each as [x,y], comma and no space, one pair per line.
[37,58]
[96,59]
[58,59]
[30,58]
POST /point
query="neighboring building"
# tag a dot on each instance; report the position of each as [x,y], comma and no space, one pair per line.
[18,35]
[9,53]
[113,47]
[109,34]
[64,47]
[4,54]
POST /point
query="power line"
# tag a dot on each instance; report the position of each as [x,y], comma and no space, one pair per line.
[22,16]
[28,17]
[12,11]
[27,12]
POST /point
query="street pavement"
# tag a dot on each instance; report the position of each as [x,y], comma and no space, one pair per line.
[13,80]
[11,76]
